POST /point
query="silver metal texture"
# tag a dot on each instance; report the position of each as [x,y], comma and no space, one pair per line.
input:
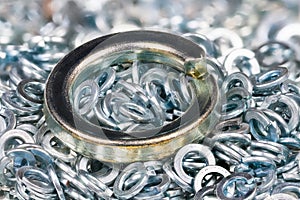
[252,45]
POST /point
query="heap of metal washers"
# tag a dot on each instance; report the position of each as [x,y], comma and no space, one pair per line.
[134,97]
[252,153]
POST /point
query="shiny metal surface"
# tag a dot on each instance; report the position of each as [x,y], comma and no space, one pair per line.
[107,145]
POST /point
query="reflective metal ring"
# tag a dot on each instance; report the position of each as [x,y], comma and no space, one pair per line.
[109,145]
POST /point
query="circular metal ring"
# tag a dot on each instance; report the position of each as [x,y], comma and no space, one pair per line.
[202,150]
[13,134]
[270,79]
[109,145]
[134,168]
[106,176]
[34,95]
[208,170]
[235,177]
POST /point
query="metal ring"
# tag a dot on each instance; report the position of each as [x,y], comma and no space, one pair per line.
[65,168]
[106,79]
[107,177]
[21,158]
[208,170]
[11,135]
[67,156]
[237,94]
[20,108]
[245,55]
[270,79]
[267,131]
[39,153]
[92,97]
[158,185]
[91,140]
[243,139]
[272,47]
[258,162]
[220,34]
[232,109]
[30,172]
[34,96]
[169,171]
[280,151]
[279,120]
[223,184]
[197,148]
[29,128]
[75,181]
[237,78]
[137,167]
[233,126]
[270,102]
[227,150]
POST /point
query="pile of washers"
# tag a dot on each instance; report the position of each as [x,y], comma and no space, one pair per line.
[134,97]
[253,151]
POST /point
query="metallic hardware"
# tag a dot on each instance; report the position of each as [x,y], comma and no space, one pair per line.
[267,54]
[245,58]
[9,138]
[184,151]
[269,80]
[261,127]
[181,183]
[208,170]
[41,187]
[136,168]
[245,178]
[118,145]
[106,174]
[261,56]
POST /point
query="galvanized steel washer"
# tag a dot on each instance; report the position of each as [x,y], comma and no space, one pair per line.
[109,145]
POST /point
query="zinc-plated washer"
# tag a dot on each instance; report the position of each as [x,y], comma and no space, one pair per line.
[108,145]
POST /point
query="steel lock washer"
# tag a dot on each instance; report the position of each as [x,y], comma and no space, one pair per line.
[108,145]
